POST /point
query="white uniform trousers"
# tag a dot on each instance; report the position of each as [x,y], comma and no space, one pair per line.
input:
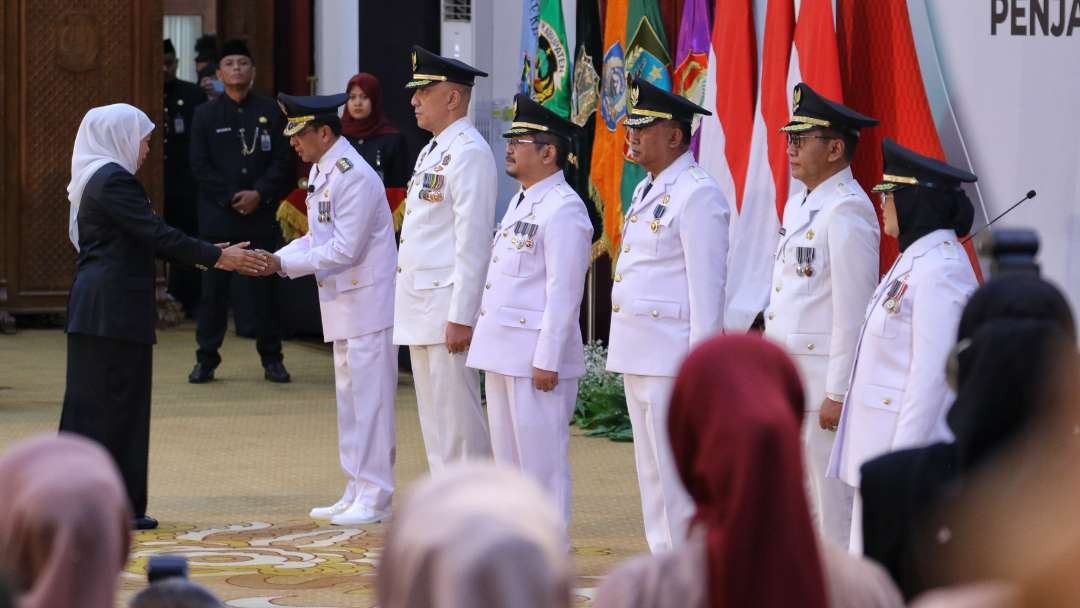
[365,377]
[830,498]
[530,430]
[855,544]
[448,400]
[665,505]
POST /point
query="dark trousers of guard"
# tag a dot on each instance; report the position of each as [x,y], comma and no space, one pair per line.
[108,400]
[262,294]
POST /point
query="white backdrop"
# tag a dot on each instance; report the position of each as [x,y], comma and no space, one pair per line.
[1015,104]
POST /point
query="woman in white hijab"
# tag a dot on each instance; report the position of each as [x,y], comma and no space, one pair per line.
[111,307]
[476,535]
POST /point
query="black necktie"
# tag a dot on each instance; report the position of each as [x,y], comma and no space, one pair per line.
[520,197]
[431,147]
[645,192]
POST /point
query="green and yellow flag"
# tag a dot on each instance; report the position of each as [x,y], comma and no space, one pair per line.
[647,57]
[551,72]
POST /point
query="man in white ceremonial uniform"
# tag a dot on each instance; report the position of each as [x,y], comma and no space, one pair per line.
[826,267]
[899,394]
[444,250]
[528,338]
[668,293]
[349,248]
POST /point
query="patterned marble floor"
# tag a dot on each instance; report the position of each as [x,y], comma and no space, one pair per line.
[236,465]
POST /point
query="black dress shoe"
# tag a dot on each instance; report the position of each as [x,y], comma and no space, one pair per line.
[276,372]
[145,522]
[201,374]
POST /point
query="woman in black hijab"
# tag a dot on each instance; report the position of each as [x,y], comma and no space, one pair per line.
[1008,337]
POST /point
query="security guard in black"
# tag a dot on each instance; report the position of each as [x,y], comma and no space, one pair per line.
[243,166]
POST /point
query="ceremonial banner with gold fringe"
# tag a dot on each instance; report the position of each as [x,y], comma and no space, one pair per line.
[610,135]
[584,105]
[551,70]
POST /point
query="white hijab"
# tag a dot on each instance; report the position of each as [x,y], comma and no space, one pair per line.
[108,134]
[476,535]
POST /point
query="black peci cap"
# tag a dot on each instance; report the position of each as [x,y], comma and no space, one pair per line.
[235,47]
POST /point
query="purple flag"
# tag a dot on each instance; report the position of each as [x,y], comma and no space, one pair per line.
[692,60]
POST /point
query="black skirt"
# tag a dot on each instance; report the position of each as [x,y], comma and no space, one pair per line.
[107,399]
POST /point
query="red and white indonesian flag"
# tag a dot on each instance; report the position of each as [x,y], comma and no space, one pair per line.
[799,46]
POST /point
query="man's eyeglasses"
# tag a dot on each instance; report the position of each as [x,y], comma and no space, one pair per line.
[510,143]
[796,140]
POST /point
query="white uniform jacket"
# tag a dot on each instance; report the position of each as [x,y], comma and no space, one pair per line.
[446,236]
[349,246]
[532,297]
[899,395]
[825,271]
[669,281]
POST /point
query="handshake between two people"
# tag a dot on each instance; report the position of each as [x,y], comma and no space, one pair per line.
[253,263]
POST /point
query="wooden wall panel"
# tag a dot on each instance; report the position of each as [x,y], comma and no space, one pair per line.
[61,59]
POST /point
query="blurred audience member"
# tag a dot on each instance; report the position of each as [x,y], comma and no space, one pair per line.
[477,535]
[64,521]
[1010,335]
[734,423]
[174,593]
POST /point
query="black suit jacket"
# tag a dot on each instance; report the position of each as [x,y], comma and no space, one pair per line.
[119,237]
[181,99]
[222,131]
[901,495]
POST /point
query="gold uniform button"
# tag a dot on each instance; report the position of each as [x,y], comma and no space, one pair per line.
[777,289]
[506,233]
[810,346]
[633,219]
[355,282]
[401,242]
[771,316]
[655,314]
[482,312]
[618,278]
[487,285]
[408,212]
[887,401]
[435,283]
[614,308]
[626,248]
[399,269]
[494,259]
[320,283]
[521,320]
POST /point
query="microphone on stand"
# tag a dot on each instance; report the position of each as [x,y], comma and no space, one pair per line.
[1030,195]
